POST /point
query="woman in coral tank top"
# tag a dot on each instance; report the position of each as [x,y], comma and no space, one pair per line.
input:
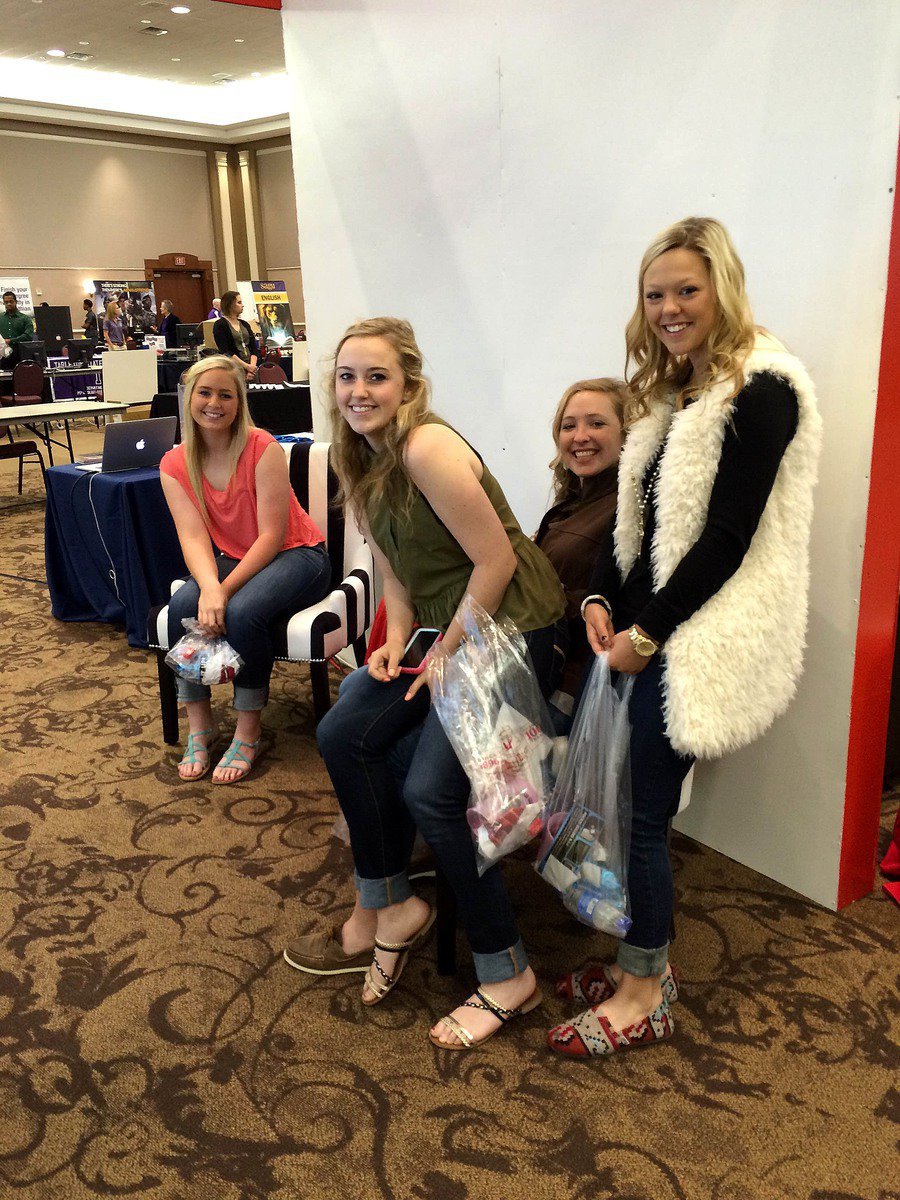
[253,553]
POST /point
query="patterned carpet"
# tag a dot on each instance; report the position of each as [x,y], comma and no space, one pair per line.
[153,1044]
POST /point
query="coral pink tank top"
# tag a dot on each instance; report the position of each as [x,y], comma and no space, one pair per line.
[233,524]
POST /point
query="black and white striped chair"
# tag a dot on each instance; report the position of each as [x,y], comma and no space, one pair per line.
[315,634]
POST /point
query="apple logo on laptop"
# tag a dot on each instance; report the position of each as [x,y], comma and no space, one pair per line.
[140,444]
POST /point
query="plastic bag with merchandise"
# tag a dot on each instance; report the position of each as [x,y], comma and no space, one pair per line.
[203,657]
[584,854]
[489,703]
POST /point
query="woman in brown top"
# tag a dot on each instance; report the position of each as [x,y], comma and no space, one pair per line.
[588,432]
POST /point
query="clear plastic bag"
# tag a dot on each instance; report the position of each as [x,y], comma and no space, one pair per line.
[584,854]
[489,703]
[203,657]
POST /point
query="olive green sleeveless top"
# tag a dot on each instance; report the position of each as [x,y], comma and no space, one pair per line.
[435,570]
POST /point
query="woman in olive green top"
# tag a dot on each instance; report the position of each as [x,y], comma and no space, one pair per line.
[439,526]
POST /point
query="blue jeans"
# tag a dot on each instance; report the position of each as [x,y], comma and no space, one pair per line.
[657,773]
[294,579]
[393,771]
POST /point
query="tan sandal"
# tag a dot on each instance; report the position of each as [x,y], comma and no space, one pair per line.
[484,1003]
[381,986]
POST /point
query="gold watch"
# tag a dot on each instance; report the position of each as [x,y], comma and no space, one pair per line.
[643,645]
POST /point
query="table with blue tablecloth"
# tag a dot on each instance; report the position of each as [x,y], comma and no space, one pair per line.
[111,547]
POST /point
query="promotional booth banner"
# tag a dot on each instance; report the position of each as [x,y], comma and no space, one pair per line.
[20,285]
[273,310]
[129,294]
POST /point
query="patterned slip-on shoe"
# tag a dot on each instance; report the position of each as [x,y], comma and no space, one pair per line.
[594,983]
[323,954]
[590,1034]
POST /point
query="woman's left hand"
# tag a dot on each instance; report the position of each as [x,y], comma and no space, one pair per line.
[623,656]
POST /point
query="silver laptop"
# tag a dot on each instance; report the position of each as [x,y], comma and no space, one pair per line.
[128,445]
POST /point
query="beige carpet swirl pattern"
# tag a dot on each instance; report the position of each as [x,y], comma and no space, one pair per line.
[153,1044]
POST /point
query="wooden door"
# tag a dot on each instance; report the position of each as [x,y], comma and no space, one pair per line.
[185,280]
[185,290]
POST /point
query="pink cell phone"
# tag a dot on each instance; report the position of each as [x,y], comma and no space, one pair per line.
[422,640]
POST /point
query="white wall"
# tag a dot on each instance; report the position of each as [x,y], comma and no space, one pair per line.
[495,172]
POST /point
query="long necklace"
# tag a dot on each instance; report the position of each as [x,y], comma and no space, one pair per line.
[643,495]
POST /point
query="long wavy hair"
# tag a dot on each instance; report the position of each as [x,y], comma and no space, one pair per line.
[652,372]
[366,474]
[565,483]
[195,451]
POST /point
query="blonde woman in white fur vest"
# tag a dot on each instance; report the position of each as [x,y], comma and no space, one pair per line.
[703,597]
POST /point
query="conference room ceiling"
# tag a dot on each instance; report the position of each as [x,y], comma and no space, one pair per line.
[200,47]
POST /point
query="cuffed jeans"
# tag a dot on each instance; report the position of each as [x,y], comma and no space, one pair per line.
[393,771]
[294,579]
[657,773]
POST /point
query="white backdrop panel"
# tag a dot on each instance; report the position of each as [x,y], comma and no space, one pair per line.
[495,176]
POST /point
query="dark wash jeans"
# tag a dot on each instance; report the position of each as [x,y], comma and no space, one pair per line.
[294,579]
[393,771]
[657,773]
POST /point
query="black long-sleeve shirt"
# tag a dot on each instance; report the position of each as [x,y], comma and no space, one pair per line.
[764,421]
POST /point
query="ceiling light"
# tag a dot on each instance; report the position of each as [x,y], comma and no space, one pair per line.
[255,74]
[56,53]
[146,21]
[239,40]
[84,43]
[180,9]
[176,60]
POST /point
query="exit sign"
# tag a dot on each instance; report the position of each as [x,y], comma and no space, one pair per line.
[180,260]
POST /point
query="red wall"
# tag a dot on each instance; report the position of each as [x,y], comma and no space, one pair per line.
[877,625]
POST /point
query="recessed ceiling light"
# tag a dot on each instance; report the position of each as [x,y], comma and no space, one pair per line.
[255,74]
[84,43]
[239,40]
[56,53]
[181,9]
[146,21]
[176,60]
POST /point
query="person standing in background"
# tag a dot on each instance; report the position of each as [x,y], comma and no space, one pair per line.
[91,324]
[234,336]
[113,328]
[15,328]
[216,311]
[168,325]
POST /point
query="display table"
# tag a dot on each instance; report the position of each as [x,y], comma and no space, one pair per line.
[275,407]
[37,418]
[98,524]
[280,407]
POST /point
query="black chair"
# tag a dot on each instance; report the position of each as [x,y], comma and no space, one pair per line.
[21,451]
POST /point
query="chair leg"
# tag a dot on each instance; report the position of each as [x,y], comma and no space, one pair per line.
[445,924]
[21,465]
[168,700]
[359,651]
[321,692]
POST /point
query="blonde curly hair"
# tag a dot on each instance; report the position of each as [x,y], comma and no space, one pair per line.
[366,474]
[652,372]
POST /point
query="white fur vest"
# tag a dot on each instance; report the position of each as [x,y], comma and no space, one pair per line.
[732,667]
